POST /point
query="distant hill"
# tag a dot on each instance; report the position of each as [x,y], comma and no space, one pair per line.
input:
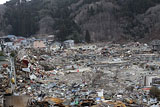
[2,23]
[105,20]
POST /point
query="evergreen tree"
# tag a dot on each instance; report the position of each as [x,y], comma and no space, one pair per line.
[87,37]
[40,16]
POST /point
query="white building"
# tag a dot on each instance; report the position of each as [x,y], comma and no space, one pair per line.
[68,43]
[151,80]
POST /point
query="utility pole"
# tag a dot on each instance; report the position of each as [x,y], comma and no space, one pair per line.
[13,69]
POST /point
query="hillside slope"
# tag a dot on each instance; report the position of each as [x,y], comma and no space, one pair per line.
[105,20]
[119,19]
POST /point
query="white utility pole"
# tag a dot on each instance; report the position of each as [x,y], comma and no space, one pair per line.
[12,74]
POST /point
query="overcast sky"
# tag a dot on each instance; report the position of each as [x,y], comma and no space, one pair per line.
[3,1]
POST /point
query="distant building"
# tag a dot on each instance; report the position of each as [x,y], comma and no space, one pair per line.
[12,37]
[50,38]
[39,44]
[89,47]
[68,43]
[155,45]
[7,41]
[55,46]
[152,81]
[85,47]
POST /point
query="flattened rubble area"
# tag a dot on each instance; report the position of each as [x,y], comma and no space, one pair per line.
[109,75]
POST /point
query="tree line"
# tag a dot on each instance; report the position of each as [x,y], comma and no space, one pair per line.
[33,17]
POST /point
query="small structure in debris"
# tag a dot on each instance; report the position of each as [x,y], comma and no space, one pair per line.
[155,45]
[6,41]
[68,43]
[55,46]
[39,44]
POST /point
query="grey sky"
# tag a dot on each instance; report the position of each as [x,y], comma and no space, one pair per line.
[3,1]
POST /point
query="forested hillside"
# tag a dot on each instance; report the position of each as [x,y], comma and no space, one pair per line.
[103,20]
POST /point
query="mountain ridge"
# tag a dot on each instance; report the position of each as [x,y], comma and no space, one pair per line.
[105,20]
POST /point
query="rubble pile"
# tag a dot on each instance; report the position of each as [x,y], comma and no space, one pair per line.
[92,75]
